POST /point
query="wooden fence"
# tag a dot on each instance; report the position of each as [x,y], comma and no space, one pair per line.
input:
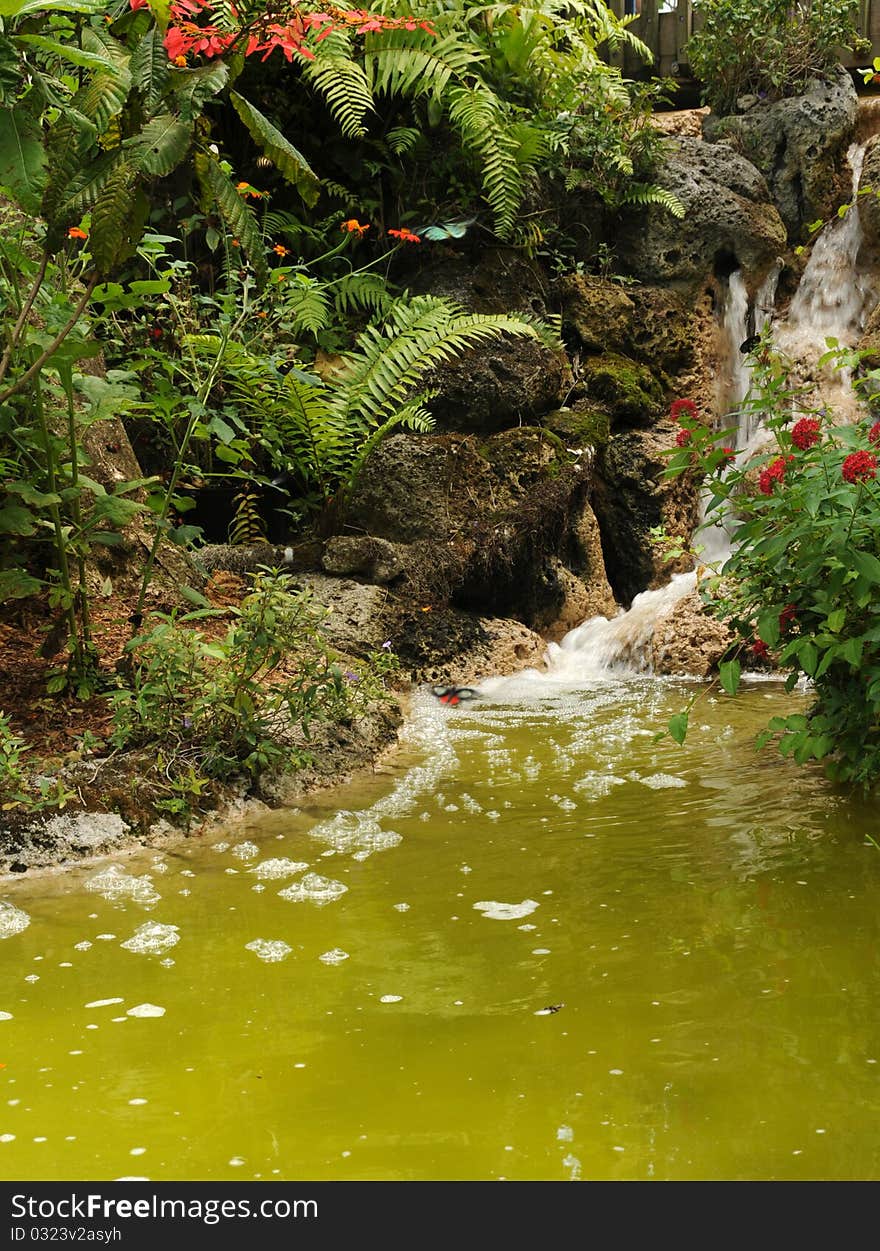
[667,25]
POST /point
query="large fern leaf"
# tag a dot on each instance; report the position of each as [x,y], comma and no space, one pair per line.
[118,218]
[194,87]
[238,217]
[283,155]
[481,120]
[414,63]
[87,185]
[150,69]
[342,83]
[161,145]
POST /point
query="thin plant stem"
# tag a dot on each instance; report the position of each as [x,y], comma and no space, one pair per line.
[21,383]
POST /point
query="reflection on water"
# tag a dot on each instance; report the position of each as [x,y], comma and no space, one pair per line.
[544,946]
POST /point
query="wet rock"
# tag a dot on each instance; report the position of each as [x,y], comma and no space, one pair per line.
[449,646]
[356,616]
[649,323]
[687,640]
[630,498]
[375,560]
[869,343]
[586,559]
[728,220]
[585,425]
[498,384]
[39,840]
[497,280]
[799,145]
[869,193]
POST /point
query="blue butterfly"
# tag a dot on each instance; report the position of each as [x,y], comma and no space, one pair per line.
[448,230]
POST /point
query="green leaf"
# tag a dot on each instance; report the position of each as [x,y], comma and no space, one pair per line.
[69,52]
[161,145]
[768,626]
[729,675]
[284,156]
[194,597]
[851,651]
[808,656]
[678,727]
[238,217]
[22,158]
[30,495]
[193,87]
[118,512]
[14,519]
[118,219]
[867,565]
[16,584]
[21,8]
[150,69]
[835,620]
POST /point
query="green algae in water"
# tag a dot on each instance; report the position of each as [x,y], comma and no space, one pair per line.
[564,951]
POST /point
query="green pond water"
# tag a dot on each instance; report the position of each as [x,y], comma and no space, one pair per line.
[703,920]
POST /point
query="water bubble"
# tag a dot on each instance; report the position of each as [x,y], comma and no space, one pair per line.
[83,946]
[153,938]
[7,1137]
[496,911]
[114,884]
[315,888]
[270,950]
[401,907]
[390,998]
[144,1010]
[5,1016]
[103,1003]
[245,851]
[278,868]
[336,956]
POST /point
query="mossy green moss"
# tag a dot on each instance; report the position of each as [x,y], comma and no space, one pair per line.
[580,427]
[628,390]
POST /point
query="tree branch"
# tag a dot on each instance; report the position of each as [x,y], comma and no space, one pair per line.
[21,383]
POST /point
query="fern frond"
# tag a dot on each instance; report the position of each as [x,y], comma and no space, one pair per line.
[415,64]
[103,97]
[361,293]
[643,195]
[194,87]
[342,83]
[118,218]
[238,218]
[150,68]
[287,160]
[308,304]
[402,139]
[161,145]
[247,525]
[419,335]
[480,119]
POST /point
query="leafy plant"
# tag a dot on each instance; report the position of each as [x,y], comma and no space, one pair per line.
[802,585]
[768,48]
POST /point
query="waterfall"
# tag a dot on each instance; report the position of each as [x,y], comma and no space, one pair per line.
[832,301]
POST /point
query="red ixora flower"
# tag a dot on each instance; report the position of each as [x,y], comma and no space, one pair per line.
[874,433]
[404,235]
[760,649]
[683,438]
[775,472]
[786,617]
[806,433]
[859,467]
[682,408]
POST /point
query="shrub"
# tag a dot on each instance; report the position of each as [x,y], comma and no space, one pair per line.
[802,586]
[767,48]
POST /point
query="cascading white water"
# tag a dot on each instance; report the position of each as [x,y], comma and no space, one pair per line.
[832,301]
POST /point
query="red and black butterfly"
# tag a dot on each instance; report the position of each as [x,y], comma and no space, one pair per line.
[455,694]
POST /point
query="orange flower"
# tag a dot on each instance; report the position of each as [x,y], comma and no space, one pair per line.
[242,186]
[235,243]
[76,233]
[404,235]
[180,60]
[245,189]
[262,313]
[280,250]
[353,226]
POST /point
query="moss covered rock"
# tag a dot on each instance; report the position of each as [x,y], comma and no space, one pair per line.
[629,391]
[582,425]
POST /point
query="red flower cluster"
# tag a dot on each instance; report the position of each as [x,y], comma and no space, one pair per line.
[859,467]
[874,433]
[786,617]
[187,35]
[683,438]
[775,472]
[806,433]
[760,649]
[682,408]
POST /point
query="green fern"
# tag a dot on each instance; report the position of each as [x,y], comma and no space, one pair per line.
[643,195]
[161,145]
[308,304]
[415,64]
[150,69]
[485,129]
[118,218]
[287,160]
[357,293]
[237,217]
[342,83]
[247,525]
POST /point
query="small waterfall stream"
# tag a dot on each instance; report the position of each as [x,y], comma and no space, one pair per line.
[832,301]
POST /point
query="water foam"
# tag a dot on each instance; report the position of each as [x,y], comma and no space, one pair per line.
[153,938]
[114,884]
[12,920]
